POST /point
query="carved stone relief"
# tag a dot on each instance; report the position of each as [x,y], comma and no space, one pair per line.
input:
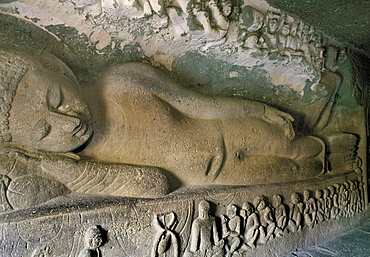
[132,163]
[170,226]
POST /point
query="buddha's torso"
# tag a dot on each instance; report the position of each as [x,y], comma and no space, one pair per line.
[139,128]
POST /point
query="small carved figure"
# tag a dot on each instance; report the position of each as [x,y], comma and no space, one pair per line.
[317,53]
[213,22]
[41,251]
[292,43]
[268,224]
[343,199]
[328,203]
[342,55]
[310,209]
[281,40]
[4,203]
[252,224]
[204,239]
[231,228]
[305,33]
[320,206]
[93,239]
[250,20]
[166,237]
[335,206]
[362,204]
[220,21]
[134,8]
[281,215]
[254,44]
[227,8]
[354,198]
[295,213]
[273,24]
[178,20]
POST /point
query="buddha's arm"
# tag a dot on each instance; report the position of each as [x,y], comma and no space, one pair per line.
[107,178]
[98,178]
[141,78]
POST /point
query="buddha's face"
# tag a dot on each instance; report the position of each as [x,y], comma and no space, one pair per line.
[47,113]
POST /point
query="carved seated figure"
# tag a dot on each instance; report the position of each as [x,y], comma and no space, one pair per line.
[148,132]
[231,228]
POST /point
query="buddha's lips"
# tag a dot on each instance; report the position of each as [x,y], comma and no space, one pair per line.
[81,130]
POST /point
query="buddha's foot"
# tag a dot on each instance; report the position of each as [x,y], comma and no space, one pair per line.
[341,152]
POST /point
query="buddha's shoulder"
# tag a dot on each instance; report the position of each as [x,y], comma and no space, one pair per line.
[132,76]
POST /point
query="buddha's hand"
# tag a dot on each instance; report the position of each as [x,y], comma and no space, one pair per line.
[38,157]
[24,155]
[283,119]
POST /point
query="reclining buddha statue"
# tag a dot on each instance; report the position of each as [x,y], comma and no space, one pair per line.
[135,132]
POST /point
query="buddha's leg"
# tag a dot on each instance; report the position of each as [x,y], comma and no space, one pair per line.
[252,136]
[264,169]
[304,147]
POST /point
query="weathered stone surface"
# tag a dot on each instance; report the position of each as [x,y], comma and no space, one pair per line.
[249,136]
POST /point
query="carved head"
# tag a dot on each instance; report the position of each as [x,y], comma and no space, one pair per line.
[342,188]
[272,25]
[326,193]
[93,238]
[231,210]
[351,185]
[336,187]
[276,200]
[40,103]
[331,190]
[342,55]
[295,198]
[248,207]
[306,195]
[251,41]
[346,184]
[285,29]
[227,7]
[204,208]
[260,203]
[318,194]
[294,28]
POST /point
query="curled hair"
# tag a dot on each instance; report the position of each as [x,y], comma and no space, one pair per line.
[13,67]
